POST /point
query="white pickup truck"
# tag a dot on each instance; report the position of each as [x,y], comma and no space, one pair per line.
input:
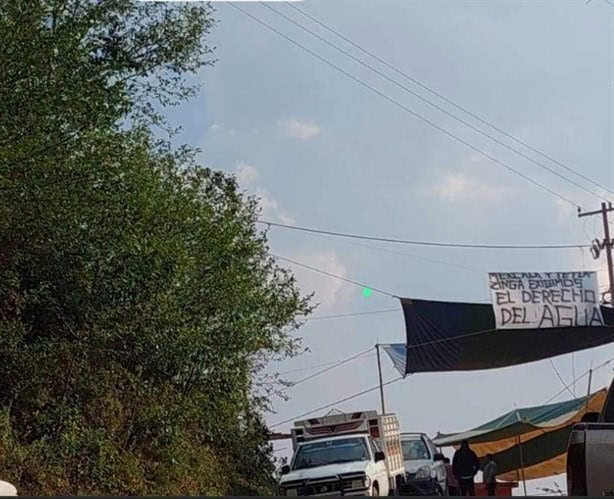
[345,454]
[590,453]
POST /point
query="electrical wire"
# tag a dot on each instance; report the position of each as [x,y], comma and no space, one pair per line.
[302,369]
[446,99]
[410,255]
[417,345]
[576,380]
[423,258]
[355,314]
[369,390]
[455,338]
[324,272]
[405,108]
[321,408]
[558,374]
[567,387]
[334,366]
[430,103]
[427,243]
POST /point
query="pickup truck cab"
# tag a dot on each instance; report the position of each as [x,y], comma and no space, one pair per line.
[590,453]
[425,471]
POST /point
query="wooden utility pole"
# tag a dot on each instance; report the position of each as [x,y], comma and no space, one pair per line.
[521,455]
[606,244]
[381,383]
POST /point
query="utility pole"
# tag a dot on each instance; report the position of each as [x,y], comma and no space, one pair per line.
[381,383]
[521,455]
[606,244]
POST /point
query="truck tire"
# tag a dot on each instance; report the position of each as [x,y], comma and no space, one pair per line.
[375,490]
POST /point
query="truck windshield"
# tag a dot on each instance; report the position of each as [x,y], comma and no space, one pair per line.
[326,452]
[414,450]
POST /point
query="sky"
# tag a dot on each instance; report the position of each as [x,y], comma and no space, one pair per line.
[321,150]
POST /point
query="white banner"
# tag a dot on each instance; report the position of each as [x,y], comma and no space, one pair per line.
[534,300]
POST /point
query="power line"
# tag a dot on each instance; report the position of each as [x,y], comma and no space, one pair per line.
[405,108]
[576,380]
[324,272]
[355,314]
[446,99]
[364,392]
[334,366]
[423,258]
[558,374]
[446,340]
[417,345]
[567,387]
[321,408]
[307,368]
[426,243]
[430,103]
[410,255]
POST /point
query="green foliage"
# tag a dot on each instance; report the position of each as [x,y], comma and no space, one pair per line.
[137,298]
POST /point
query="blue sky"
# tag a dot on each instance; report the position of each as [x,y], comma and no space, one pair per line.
[322,151]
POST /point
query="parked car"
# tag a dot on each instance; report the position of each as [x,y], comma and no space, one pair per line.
[425,471]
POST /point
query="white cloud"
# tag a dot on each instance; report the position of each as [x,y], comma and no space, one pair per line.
[220,128]
[297,129]
[246,174]
[270,208]
[332,295]
[458,186]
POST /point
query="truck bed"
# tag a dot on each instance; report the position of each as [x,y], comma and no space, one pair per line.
[599,458]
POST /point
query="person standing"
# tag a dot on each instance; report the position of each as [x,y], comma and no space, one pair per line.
[489,475]
[451,480]
[465,466]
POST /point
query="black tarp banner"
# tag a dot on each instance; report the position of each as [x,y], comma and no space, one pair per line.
[447,336]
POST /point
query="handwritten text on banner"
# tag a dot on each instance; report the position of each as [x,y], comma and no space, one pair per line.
[534,300]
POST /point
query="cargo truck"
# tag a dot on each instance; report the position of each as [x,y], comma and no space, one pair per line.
[345,454]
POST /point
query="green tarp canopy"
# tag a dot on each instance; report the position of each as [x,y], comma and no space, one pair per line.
[531,439]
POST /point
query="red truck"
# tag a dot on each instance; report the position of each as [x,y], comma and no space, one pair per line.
[590,453]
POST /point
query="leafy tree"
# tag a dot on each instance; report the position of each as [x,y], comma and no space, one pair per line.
[137,298]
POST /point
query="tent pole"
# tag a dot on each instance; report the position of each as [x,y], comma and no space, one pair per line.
[588,394]
[381,383]
[524,481]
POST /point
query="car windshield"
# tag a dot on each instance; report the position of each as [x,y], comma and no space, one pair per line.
[326,452]
[414,450]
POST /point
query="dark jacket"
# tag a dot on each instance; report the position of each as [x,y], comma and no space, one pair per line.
[465,463]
